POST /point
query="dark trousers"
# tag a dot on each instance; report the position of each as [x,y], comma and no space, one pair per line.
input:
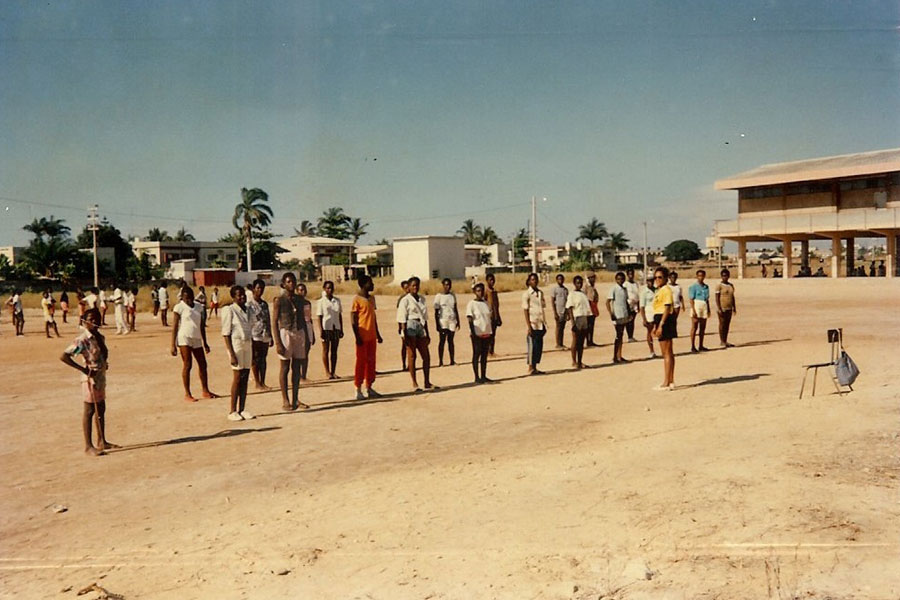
[535,346]
[590,330]
[724,325]
[446,336]
[480,347]
[629,328]
[578,338]
[560,331]
[620,339]
[494,325]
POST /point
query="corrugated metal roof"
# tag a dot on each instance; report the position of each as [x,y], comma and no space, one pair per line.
[830,167]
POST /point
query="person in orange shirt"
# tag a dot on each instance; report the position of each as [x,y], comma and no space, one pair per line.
[365,329]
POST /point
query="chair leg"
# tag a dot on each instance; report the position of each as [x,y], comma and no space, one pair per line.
[815,377]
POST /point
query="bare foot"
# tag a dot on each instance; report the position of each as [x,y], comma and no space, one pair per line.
[91,451]
[287,407]
[108,446]
[208,395]
[189,398]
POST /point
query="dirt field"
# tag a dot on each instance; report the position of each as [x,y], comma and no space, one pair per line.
[571,485]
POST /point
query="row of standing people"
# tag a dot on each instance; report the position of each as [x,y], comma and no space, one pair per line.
[122,298]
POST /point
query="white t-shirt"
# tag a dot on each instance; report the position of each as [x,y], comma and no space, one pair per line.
[16,303]
[118,297]
[102,299]
[634,294]
[235,322]
[411,309]
[445,304]
[676,294]
[163,296]
[579,303]
[647,296]
[330,311]
[533,301]
[129,300]
[91,300]
[480,311]
[190,324]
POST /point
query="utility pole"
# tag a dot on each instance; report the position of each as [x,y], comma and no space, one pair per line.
[534,260]
[94,225]
[645,252]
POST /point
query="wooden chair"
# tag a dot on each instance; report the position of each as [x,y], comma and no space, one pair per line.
[836,339]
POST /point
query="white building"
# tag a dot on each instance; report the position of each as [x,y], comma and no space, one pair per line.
[207,254]
[12,253]
[321,250]
[496,254]
[429,257]
[381,253]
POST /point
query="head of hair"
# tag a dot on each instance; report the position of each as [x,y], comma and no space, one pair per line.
[134,290]
[363,280]
[257,282]
[578,279]
[235,289]
[478,286]
[404,283]
[94,290]
[416,279]
[288,275]
[725,272]
[622,273]
[699,271]
[327,283]
[663,270]
[187,290]
[530,275]
[446,280]
[489,277]
[95,312]
[629,270]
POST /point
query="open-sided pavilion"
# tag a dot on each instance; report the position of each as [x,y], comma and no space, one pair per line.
[837,198]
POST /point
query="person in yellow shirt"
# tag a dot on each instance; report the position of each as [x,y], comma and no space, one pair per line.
[664,326]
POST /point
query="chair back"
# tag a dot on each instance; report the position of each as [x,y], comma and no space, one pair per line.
[836,339]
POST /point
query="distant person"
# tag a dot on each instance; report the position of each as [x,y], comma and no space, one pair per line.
[559,294]
[214,302]
[646,306]
[664,326]
[92,300]
[620,313]
[882,269]
[872,269]
[118,300]
[820,272]
[239,343]
[82,304]
[131,308]
[18,313]
[412,320]
[677,294]
[162,295]
[493,299]
[154,298]
[101,304]
[634,302]
[189,339]
[726,306]
[310,330]
[590,290]
[364,321]
[698,300]
[64,305]
[478,314]
[404,288]
[776,273]
[446,317]
[291,335]
[91,346]
[764,271]
[331,324]
[261,332]
[47,303]
[579,308]
[533,305]
[201,300]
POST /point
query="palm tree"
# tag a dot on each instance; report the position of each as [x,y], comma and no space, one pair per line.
[155,235]
[183,236]
[251,214]
[593,231]
[470,231]
[356,228]
[51,227]
[617,241]
[49,257]
[307,229]
[489,236]
[334,223]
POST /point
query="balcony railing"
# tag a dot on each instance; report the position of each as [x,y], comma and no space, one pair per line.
[859,219]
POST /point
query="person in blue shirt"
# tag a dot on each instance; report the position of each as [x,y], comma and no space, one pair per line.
[698,296]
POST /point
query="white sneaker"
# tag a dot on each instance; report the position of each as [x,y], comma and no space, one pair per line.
[652,355]
[247,415]
[662,388]
[235,416]
[672,387]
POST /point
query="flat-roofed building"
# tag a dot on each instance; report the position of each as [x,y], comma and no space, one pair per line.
[13,254]
[321,250]
[207,254]
[429,257]
[837,198]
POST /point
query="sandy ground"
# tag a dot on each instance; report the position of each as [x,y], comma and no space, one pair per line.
[568,485]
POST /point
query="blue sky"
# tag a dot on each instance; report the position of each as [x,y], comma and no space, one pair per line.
[415,116]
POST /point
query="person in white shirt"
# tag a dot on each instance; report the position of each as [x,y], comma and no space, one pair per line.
[47,306]
[92,299]
[101,304]
[412,323]
[189,338]
[18,315]
[162,294]
[676,292]
[620,313]
[261,328]
[118,300]
[478,313]
[331,324]
[646,305]
[533,304]
[446,316]
[131,308]
[579,308]
[239,343]
[634,301]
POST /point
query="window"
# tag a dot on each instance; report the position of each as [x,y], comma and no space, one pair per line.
[231,257]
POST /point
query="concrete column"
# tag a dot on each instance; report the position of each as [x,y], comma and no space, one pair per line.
[742,258]
[890,260]
[788,251]
[851,255]
[804,253]
[835,257]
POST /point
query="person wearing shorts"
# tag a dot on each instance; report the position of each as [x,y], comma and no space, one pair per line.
[412,323]
[620,313]
[664,326]
[291,341]
[189,339]
[18,313]
[261,330]
[47,306]
[331,324]
[646,308]
[579,308]
[478,313]
[163,296]
[404,288]
[90,345]
[698,300]
[239,343]
[634,302]
[64,305]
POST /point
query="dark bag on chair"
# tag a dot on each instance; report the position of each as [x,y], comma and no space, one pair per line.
[845,369]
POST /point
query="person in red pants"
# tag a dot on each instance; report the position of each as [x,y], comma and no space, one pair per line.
[365,329]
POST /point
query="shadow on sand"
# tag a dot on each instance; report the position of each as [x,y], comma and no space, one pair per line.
[225,433]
